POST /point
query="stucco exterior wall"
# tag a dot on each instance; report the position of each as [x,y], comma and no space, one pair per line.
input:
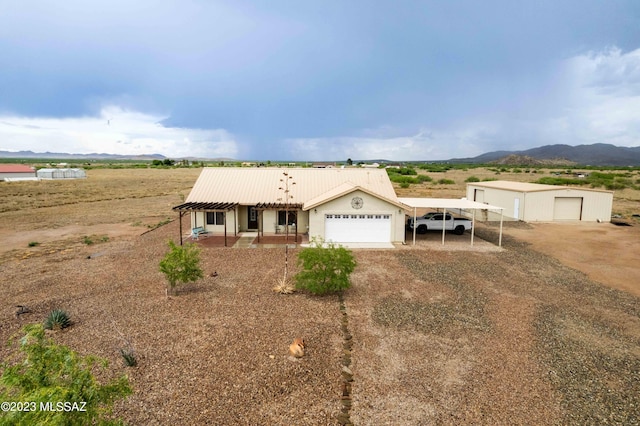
[371,205]
[200,219]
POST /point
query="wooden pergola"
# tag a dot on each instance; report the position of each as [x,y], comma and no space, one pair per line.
[184,208]
[261,207]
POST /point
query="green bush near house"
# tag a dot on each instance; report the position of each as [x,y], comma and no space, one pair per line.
[181,265]
[326,268]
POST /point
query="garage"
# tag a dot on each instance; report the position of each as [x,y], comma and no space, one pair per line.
[567,208]
[362,228]
[534,202]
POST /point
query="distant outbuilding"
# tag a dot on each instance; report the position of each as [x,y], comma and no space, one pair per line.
[532,202]
[16,172]
[66,173]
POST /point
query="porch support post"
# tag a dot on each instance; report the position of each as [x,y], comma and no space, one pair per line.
[224,214]
[180,217]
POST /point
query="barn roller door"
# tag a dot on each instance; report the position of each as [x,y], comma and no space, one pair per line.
[357,228]
[567,208]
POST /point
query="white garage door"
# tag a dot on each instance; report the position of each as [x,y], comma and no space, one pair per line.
[567,208]
[357,228]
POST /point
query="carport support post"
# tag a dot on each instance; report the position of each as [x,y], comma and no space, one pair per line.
[444,223]
[500,238]
[473,226]
[414,225]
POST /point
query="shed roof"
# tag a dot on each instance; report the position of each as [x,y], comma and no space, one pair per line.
[517,186]
[530,187]
[16,168]
[263,185]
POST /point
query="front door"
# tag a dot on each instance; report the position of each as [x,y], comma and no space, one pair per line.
[252,220]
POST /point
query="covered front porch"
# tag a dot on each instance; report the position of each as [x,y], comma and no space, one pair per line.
[224,224]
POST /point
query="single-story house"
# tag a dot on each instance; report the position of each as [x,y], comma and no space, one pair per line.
[16,171]
[532,202]
[349,205]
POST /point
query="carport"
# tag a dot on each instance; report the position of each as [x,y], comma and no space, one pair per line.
[451,205]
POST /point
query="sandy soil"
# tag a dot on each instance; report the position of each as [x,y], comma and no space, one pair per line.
[605,252]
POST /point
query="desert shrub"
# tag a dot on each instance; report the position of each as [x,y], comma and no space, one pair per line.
[404,185]
[424,178]
[57,320]
[87,240]
[181,265]
[325,268]
[435,167]
[33,243]
[446,182]
[472,179]
[129,357]
[52,374]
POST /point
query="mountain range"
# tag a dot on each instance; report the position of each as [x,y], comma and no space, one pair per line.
[598,154]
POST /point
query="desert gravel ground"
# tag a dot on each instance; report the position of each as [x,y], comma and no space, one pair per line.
[437,336]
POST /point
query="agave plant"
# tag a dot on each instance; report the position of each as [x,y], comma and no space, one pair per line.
[284,287]
[57,320]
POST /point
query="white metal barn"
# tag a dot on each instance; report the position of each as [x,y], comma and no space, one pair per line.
[73,173]
[532,202]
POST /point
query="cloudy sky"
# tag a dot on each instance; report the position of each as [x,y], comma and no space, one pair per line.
[317,80]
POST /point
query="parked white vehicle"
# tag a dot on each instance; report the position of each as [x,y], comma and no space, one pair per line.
[433,221]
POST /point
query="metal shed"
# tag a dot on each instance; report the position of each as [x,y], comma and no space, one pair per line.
[532,202]
[68,173]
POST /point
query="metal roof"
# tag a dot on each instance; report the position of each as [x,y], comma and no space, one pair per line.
[266,186]
[447,203]
[518,186]
[530,187]
[16,168]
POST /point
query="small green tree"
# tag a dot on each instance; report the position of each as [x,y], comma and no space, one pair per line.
[326,268]
[181,265]
[57,385]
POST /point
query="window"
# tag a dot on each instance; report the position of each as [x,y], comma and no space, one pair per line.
[282,217]
[215,218]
